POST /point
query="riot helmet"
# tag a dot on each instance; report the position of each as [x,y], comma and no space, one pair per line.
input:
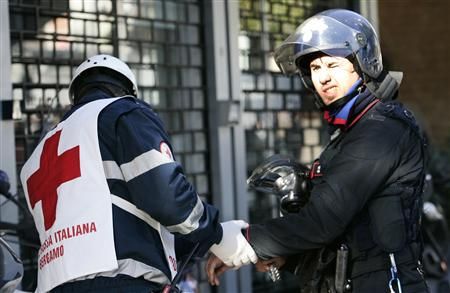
[283,176]
[334,32]
[106,70]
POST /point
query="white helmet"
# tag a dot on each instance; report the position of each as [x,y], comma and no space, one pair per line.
[106,61]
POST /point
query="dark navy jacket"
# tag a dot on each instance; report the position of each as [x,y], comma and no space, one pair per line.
[128,129]
[367,195]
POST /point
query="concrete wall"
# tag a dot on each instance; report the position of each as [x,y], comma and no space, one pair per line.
[415,38]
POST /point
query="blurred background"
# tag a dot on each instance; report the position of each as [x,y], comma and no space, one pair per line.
[206,67]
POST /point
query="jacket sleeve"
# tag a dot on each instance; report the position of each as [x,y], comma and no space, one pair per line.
[157,183]
[359,170]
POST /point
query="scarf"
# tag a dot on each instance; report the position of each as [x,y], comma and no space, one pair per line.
[343,116]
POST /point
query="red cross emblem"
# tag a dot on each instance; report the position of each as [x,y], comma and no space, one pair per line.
[53,171]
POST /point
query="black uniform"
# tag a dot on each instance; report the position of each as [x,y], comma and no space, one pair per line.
[366,194]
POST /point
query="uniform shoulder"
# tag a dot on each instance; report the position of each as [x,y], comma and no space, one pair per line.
[380,131]
[124,106]
[127,104]
[397,115]
[129,107]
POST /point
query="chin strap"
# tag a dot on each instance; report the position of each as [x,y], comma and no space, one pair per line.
[336,105]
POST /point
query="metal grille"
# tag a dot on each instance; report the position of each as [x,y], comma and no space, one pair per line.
[279,114]
[162,42]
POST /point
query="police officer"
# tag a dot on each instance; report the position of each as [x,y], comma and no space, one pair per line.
[112,206]
[365,202]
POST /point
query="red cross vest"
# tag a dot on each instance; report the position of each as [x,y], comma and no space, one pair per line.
[67,193]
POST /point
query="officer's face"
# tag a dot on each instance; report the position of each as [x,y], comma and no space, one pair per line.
[332,77]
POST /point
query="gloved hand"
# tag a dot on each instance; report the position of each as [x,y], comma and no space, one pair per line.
[233,249]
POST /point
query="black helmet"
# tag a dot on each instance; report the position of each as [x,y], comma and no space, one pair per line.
[283,176]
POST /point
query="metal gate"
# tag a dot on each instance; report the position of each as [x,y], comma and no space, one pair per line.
[162,42]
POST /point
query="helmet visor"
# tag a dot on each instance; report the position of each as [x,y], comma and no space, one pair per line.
[317,34]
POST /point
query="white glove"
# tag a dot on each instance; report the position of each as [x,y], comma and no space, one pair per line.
[233,249]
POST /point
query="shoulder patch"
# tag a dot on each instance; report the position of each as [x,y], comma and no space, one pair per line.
[165,150]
